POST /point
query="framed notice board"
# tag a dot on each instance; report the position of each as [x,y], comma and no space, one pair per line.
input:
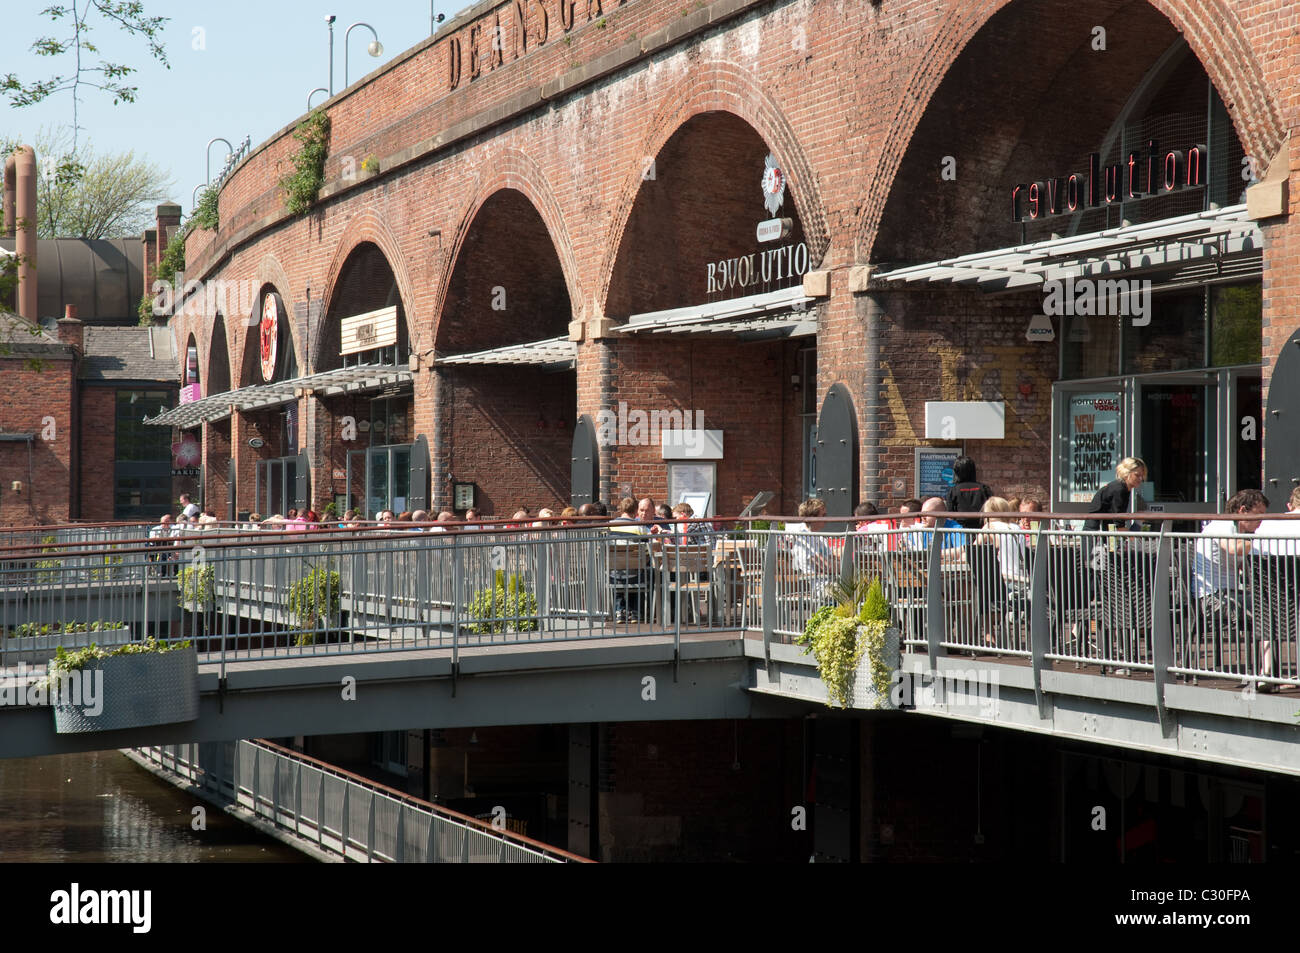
[933,467]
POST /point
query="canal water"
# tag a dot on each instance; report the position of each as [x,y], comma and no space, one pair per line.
[100,806]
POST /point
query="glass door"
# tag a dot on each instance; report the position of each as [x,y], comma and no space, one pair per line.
[276,485]
[1177,433]
[377,489]
[1245,423]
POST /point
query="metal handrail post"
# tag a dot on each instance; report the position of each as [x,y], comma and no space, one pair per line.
[769,595]
[1038,622]
[457,594]
[1162,628]
[934,621]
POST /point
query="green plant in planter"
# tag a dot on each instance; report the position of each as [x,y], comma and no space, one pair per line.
[509,606]
[28,629]
[110,570]
[839,635]
[65,661]
[196,586]
[315,598]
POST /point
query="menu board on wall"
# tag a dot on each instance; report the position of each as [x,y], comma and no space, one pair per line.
[933,466]
[1093,428]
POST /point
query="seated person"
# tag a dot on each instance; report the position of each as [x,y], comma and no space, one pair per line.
[1280,537]
[1007,539]
[812,554]
[921,538]
[685,534]
[1219,556]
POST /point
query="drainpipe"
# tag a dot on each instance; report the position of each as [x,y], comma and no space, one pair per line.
[869,311]
[24,160]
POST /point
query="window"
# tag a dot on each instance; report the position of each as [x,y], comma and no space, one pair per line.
[142,486]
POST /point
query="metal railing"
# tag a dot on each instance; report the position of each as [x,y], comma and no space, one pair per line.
[1179,604]
[342,814]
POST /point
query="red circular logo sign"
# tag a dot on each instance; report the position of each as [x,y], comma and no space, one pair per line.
[269,328]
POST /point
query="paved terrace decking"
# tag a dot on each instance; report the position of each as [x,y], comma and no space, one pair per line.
[1031,642]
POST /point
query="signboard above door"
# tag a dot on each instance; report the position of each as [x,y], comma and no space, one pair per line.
[365,332]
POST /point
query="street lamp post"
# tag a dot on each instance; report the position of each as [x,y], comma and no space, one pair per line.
[330,20]
[434,19]
[318,89]
[374,48]
[229,151]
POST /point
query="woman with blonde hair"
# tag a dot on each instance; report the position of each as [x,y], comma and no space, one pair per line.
[1117,496]
[1000,523]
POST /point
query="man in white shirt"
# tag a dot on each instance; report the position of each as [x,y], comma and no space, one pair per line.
[1280,537]
[1224,615]
[189,509]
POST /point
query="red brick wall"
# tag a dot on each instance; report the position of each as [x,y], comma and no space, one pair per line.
[98,426]
[857,104]
[31,396]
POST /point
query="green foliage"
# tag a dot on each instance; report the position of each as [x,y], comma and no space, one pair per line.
[79,53]
[196,586]
[506,607]
[875,607]
[65,661]
[303,186]
[313,599]
[29,629]
[45,567]
[171,265]
[840,635]
[370,164]
[331,510]
[205,214]
[111,568]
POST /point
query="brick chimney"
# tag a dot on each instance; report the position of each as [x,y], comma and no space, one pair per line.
[168,216]
[72,332]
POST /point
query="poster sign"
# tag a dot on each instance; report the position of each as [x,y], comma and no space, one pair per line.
[268,336]
[934,470]
[190,393]
[365,332]
[1092,425]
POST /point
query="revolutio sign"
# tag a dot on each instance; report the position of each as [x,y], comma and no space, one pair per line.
[788,261]
[1145,173]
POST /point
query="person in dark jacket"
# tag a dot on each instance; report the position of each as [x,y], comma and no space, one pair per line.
[967,494]
[1117,495]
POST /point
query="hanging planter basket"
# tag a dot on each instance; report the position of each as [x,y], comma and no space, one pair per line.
[137,690]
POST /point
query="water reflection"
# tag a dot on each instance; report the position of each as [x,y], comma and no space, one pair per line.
[100,806]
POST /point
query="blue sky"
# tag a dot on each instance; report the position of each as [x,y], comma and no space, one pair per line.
[238,68]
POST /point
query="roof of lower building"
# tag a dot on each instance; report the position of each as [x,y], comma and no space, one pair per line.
[129,354]
[21,338]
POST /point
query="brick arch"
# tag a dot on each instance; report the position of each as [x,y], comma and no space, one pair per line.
[366,227]
[269,272]
[210,346]
[183,353]
[515,170]
[721,86]
[1211,27]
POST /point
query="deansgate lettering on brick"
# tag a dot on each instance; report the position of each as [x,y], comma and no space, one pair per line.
[481,46]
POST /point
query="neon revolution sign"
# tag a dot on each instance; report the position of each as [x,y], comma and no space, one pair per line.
[1145,173]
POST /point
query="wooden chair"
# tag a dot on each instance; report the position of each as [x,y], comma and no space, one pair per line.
[683,569]
[631,573]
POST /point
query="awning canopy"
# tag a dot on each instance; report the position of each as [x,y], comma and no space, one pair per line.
[559,354]
[359,379]
[783,313]
[1210,240]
